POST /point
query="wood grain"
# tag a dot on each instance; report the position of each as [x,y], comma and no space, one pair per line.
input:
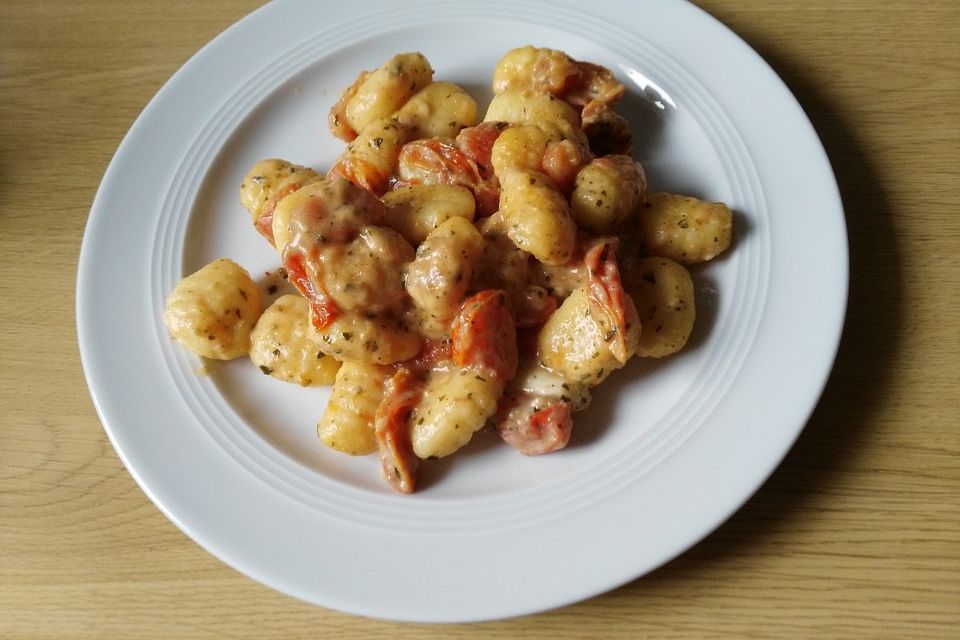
[857,534]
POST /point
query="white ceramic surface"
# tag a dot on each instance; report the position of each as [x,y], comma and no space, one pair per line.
[670,448]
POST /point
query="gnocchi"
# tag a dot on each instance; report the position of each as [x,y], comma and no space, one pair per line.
[557,118]
[664,293]
[684,229]
[439,109]
[574,343]
[285,345]
[417,209]
[378,94]
[439,277]
[212,312]
[266,184]
[369,160]
[607,192]
[537,216]
[455,277]
[347,424]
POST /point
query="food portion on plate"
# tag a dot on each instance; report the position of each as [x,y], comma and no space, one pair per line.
[455,273]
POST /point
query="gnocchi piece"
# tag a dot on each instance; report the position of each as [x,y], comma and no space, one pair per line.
[458,399]
[350,270]
[607,191]
[684,229]
[417,209]
[573,344]
[439,109]
[534,68]
[347,424]
[537,216]
[337,117]
[281,228]
[519,147]
[334,232]
[212,312]
[266,184]
[662,291]
[583,85]
[369,161]
[366,273]
[554,116]
[285,345]
[439,277]
[336,206]
[386,89]
[456,404]
[369,338]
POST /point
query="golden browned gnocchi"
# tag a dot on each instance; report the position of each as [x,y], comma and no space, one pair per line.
[439,277]
[381,93]
[557,118]
[684,229]
[574,343]
[266,184]
[285,345]
[455,405]
[213,311]
[416,210]
[347,423]
[537,216]
[534,68]
[456,278]
[606,192]
[369,160]
[439,109]
[663,292]
[519,147]
[267,179]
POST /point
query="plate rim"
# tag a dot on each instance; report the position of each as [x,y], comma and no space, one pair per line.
[90,361]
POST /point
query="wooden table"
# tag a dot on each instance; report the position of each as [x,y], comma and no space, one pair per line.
[856,535]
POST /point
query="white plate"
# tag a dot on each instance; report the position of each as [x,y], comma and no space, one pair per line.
[668,451]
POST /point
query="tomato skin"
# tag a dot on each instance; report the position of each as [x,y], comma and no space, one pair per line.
[398,462]
[535,425]
[607,294]
[264,223]
[323,309]
[361,173]
[464,162]
[484,336]
[477,144]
